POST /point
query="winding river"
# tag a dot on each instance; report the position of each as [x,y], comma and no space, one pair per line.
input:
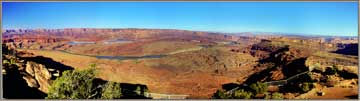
[117,57]
[125,57]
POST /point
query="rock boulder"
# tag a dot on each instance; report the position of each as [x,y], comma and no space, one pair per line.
[31,81]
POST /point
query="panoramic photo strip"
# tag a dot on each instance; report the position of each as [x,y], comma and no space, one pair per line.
[180,50]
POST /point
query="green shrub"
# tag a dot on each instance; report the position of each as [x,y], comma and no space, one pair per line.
[93,65]
[259,88]
[82,84]
[277,95]
[337,68]
[111,90]
[305,87]
[221,94]
[73,85]
[242,94]
[330,71]
[318,67]
[267,96]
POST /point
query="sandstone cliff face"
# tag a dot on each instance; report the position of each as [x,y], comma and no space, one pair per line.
[40,73]
[31,82]
[35,75]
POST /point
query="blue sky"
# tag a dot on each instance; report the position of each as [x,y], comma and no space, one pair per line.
[317,18]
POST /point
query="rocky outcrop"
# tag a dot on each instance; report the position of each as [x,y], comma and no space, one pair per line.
[29,69]
[31,81]
[40,73]
[35,75]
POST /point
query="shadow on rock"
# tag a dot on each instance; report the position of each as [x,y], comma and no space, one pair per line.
[353,97]
[49,63]
[295,67]
[15,87]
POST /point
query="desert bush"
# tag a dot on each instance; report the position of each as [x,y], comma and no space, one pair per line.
[93,65]
[10,61]
[80,84]
[221,94]
[330,71]
[140,91]
[318,67]
[73,85]
[259,88]
[238,94]
[111,90]
[242,94]
[277,95]
[267,95]
[305,87]
[337,68]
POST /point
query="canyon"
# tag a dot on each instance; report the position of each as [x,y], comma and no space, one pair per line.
[194,63]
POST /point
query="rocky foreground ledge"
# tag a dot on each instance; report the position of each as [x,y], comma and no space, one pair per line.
[25,73]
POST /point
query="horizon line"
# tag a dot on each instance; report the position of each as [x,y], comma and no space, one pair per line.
[239,32]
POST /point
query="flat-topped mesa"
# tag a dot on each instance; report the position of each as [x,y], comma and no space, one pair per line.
[31,39]
[95,34]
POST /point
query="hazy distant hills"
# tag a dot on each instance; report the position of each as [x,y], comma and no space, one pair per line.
[100,34]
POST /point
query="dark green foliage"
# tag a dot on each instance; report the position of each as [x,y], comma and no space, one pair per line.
[259,88]
[302,78]
[73,85]
[221,94]
[111,90]
[305,87]
[92,65]
[330,71]
[138,89]
[297,87]
[238,94]
[244,92]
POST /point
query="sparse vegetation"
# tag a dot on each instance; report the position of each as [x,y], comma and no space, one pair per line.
[318,67]
[330,71]
[259,88]
[305,87]
[74,85]
[9,62]
[238,94]
[185,59]
[111,90]
[221,94]
[277,95]
[242,94]
[82,84]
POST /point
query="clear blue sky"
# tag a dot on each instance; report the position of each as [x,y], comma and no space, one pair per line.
[321,18]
